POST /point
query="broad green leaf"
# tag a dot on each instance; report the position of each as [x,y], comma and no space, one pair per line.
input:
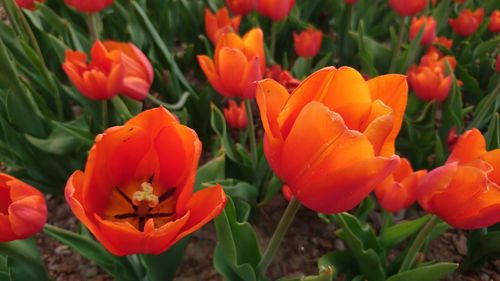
[394,235]
[492,136]
[23,261]
[340,261]
[481,249]
[162,267]
[433,272]
[211,171]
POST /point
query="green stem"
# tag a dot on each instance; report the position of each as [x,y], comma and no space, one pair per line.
[485,107]
[251,132]
[104,114]
[92,25]
[176,106]
[344,32]
[274,35]
[278,235]
[394,59]
[417,243]
[45,71]
[13,21]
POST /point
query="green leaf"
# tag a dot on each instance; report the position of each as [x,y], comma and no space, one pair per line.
[341,261]
[218,123]
[118,267]
[486,47]
[243,194]
[492,136]
[433,272]
[23,261]
[452,108]
[211,171]
[409,56]
[481,249]
[162,267]
[237,252]
[395,234]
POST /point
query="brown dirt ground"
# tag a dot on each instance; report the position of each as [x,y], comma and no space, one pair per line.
[307,239]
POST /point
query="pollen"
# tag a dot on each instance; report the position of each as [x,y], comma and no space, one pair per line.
[145,196]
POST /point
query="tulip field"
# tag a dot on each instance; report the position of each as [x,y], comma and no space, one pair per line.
[250,140]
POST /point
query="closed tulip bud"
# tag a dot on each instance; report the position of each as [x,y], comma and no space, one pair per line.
[241,7]
[283,77]
[236,116]
[494,25]
[275,9]
[220,23]
[89,6]
[23,211]
[467,22]
[28,4]
[465,191]
[398,190]
[406,8]
[136,193]
[429,83]
[114,68]
[237,64]
[429,32]
[308,42]
[332,139]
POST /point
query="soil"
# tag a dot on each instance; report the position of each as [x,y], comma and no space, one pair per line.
[308,238]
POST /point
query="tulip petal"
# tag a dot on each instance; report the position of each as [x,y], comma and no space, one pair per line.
[392,89]
[231,65]
[252,74]
[153,120]
[135,88]
[470,146]
[380,124]
[493,158]
[160,239]
[253,42]
[6,234]
[208,67]
[28,215]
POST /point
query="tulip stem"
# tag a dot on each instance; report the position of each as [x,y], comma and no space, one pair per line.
[279,233]
[417,243]
[104,114]
[397,51]
[10,15]
[176,106]
[274,34]
[92,24]
[251,132]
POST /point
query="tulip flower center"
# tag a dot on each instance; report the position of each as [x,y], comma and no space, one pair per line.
[143,205]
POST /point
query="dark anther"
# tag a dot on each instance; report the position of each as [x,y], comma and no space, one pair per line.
[126,198]
[166,195]
[159,215]
[125,216]
[151,178]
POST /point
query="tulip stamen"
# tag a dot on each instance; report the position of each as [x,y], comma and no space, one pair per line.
[125,216]
[160,215]
[122,194]
[166,195]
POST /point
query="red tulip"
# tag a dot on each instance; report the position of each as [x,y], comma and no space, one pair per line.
[467,22]
[308,42]
[275,9]
[494,25]
[332,139]
[237,64]
[23,211]
[398,191]
[115,68]
[236,116]
[28,4]
[283,77]
[429,83]
[465,192]
[136,193]
[350,2]
[407,7]
[89,6]
[241,7]
[287,192]
[429,26]
[220,23]
[442,41]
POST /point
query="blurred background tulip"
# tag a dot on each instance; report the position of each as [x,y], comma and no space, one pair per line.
[308,42]
[275,9]
[236,116]
[241,7]
[28,4]
[494,25]
[406,8]
[220,23]
[89,6]
[429,26]
[467,22]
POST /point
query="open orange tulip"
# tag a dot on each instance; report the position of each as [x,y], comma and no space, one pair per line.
[238,63]
[308,43]
[465,192]
[220,23]
[28,4]
[115,68]
[406,8]
[136,193]
[275,9]
[332,140]
[398,191]
[467,22]
[89,6]
[23,211]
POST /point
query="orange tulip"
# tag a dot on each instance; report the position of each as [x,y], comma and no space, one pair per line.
[220,23]
[429,25]
[308,42]
[115,68]
[429,83]
[23,211]
[407,7]
[467,22]
[236,116]
[332,140]
[275,9]
[241,7]
[136,194]
[238,63]
[89,6]
[28,4]
[494,25]
[398,191]
[465,192]
[283,77]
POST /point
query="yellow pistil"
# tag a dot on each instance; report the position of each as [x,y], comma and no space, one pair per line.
[145,199]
